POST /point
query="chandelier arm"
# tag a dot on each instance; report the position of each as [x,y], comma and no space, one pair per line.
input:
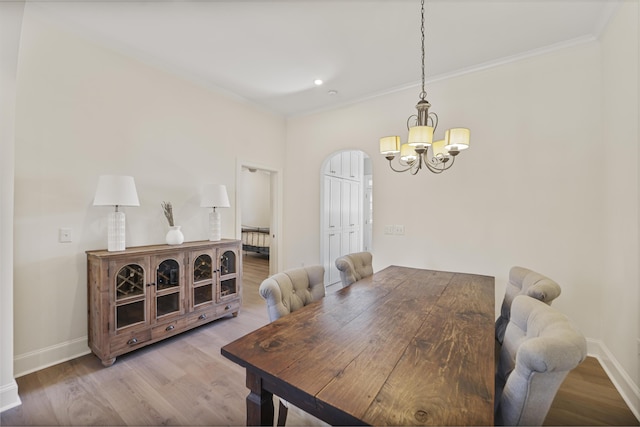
[399,170]
[414,117]
[434,122]
[433,168]
[415,172]
[429,164]
[446,166]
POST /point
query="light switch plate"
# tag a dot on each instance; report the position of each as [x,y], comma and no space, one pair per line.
[64,235]
[398,230]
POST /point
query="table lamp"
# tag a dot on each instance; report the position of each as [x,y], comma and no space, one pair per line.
[214,196]
[116,190]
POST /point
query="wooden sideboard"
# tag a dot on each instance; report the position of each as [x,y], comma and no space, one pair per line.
[145,294]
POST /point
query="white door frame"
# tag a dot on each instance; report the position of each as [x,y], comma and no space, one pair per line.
[275,251]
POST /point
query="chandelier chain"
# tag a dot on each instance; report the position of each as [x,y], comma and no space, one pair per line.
[423,93]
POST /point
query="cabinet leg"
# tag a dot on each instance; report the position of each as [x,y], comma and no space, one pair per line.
[108,362]
[234,314]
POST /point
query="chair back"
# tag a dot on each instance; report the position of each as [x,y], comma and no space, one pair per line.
[354,267]
[292,289]
[541,345]
[523,281]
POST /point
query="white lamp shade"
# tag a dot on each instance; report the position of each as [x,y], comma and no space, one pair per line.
[214,196]
[390,145]
[408,153]
[116,190]
[457,139]
[420,136]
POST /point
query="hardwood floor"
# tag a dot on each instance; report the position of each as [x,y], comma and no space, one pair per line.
[185,381]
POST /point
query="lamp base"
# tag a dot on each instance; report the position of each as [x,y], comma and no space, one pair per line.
[115,232]
[215,226]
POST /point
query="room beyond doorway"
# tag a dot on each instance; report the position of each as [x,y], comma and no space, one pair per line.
[259,208]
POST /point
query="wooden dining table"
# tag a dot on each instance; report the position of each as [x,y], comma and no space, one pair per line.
[404,346]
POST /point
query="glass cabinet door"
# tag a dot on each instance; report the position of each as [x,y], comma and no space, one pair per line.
[203,280]
[130,295]
[228,270]
[168,281]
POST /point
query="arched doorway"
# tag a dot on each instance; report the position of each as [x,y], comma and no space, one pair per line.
[346,206]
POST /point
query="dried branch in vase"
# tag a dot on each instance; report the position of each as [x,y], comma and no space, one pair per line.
[168,212]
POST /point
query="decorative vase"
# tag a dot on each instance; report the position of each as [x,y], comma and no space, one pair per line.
[175,236]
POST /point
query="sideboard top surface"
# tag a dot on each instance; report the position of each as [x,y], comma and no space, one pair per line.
[103,253]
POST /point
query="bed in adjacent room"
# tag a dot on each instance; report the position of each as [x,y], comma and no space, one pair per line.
[256,239]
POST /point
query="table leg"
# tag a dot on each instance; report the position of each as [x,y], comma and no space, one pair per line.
[259,402]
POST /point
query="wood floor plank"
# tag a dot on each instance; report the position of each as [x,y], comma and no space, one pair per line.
[185,381]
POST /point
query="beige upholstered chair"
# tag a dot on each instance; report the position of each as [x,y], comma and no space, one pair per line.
[292,289]
[541,346]
[287,292]
[354,267]
[523,281]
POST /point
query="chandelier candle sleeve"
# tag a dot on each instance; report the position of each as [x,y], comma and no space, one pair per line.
[414,155]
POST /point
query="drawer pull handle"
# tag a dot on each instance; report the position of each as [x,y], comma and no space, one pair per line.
[202,316]
[227,307]
[170,328]
[132,341]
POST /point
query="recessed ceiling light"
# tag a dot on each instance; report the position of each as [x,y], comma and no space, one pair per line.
[318,82]
[333,92]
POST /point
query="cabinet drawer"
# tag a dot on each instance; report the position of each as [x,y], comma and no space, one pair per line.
[128,341]
[201,317]
[227,308]
[168,329]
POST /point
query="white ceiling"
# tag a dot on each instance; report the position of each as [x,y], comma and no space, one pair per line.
[269,52]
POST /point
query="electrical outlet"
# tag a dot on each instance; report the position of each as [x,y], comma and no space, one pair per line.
[388,229]
[64,235]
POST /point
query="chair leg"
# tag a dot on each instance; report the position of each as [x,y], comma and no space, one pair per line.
[282,414]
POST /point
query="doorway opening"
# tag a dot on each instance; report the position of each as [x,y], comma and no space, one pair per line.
[259,212]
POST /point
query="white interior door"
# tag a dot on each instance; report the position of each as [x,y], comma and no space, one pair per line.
[342,210]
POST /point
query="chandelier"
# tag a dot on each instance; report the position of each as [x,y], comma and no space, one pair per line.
[414,154]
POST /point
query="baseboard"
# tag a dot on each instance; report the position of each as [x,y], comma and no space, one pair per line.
[33,361]
[9,396]
[627,388]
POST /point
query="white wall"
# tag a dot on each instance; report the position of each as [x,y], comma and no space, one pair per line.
[10,27]
[620,293]
[82,111]
[527,192]
[256,198]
